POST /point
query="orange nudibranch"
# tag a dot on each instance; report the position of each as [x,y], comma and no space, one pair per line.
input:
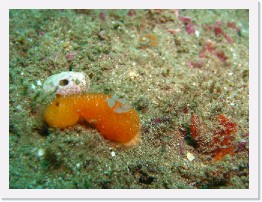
[111,116]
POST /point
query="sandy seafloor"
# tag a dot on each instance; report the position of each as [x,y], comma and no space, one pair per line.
[175,67]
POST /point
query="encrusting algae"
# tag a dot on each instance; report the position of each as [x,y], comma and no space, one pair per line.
[111,116]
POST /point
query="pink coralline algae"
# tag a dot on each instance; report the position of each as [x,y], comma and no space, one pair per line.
[173,31]
[233,26]
[71,56]
[242,145]
[217,29]
[189,26]
[102,16]
[196,64]
[131,13]
[210,47]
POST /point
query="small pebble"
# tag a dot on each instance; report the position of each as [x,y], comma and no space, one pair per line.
[78,165]
[133,74]
[40,152]
[197,33]
[190,156]
[113,154]
[38,82]
[19,108]
[33,87]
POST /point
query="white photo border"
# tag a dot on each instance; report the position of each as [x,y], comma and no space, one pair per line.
[254,178]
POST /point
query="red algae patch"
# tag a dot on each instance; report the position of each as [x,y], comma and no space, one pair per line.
[112,117]
[224,137]
[222,141]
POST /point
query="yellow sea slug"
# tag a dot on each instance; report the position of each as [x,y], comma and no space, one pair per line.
[111,116]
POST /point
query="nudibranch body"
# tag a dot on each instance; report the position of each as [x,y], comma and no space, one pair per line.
[111,116]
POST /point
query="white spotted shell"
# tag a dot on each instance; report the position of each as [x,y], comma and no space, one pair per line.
[67,83]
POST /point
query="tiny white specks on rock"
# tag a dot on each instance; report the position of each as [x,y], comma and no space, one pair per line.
[190,156]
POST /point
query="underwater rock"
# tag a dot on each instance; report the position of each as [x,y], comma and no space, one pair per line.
[66,83]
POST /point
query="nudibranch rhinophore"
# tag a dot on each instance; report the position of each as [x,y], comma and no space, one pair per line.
[112,117]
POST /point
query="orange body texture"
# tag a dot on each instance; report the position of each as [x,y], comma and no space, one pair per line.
[111,116]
